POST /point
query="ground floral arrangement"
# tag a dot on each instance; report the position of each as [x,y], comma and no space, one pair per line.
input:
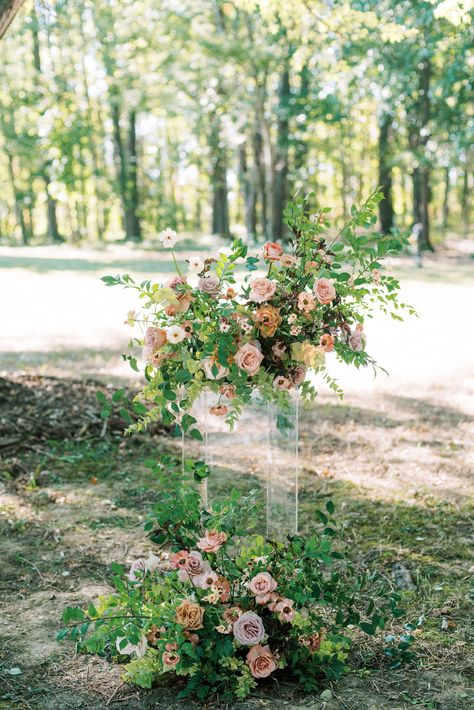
[229,608]
[293,307]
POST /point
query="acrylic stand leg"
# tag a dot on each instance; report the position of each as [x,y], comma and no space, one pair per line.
[256,455]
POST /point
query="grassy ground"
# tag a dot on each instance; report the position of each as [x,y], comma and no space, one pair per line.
[395,457]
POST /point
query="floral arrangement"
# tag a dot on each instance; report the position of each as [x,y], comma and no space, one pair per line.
[226,608]
[235,323]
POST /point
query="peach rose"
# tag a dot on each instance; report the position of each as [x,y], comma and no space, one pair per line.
[262,585]
[261,661]
[262,290]
[184,301]
[212,541]
[227,391]
[287,260]
[210,363]
[324,291]
[249,629]
[267,319]
[327,342]
[272,251]
[219,410]
[190,615]
[249,358]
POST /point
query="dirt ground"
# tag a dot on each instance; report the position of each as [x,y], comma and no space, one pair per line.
[396,457]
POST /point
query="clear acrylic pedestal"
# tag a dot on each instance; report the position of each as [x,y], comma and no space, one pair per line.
[260,453]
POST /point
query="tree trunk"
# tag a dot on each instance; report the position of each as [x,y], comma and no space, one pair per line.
[447,187]
[261,186]
[134,230]
[280,166]
[423,178]
[8,10]
[386,213]
[53,229]
[119,161]
[220,204]
[248,180]
[17,197]
[45,169]
[465,207]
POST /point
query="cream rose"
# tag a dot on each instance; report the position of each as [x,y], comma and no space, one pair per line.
[261,661]
[190,615]
[208,364]
[324,291]
[249,358]
[249,629]
[262,290]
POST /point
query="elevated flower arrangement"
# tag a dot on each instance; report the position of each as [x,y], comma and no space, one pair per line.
[293,307]
[230,607]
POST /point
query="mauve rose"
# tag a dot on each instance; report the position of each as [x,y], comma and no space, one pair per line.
[155,338]
[194,565]
[262,290]
[212,541]
[324,291]
[208,364]
[357,340]
[210,285]
[262,585]
[298,375]
[176,281]
[272,251]
[261,661]
[249,629]
[249,358]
